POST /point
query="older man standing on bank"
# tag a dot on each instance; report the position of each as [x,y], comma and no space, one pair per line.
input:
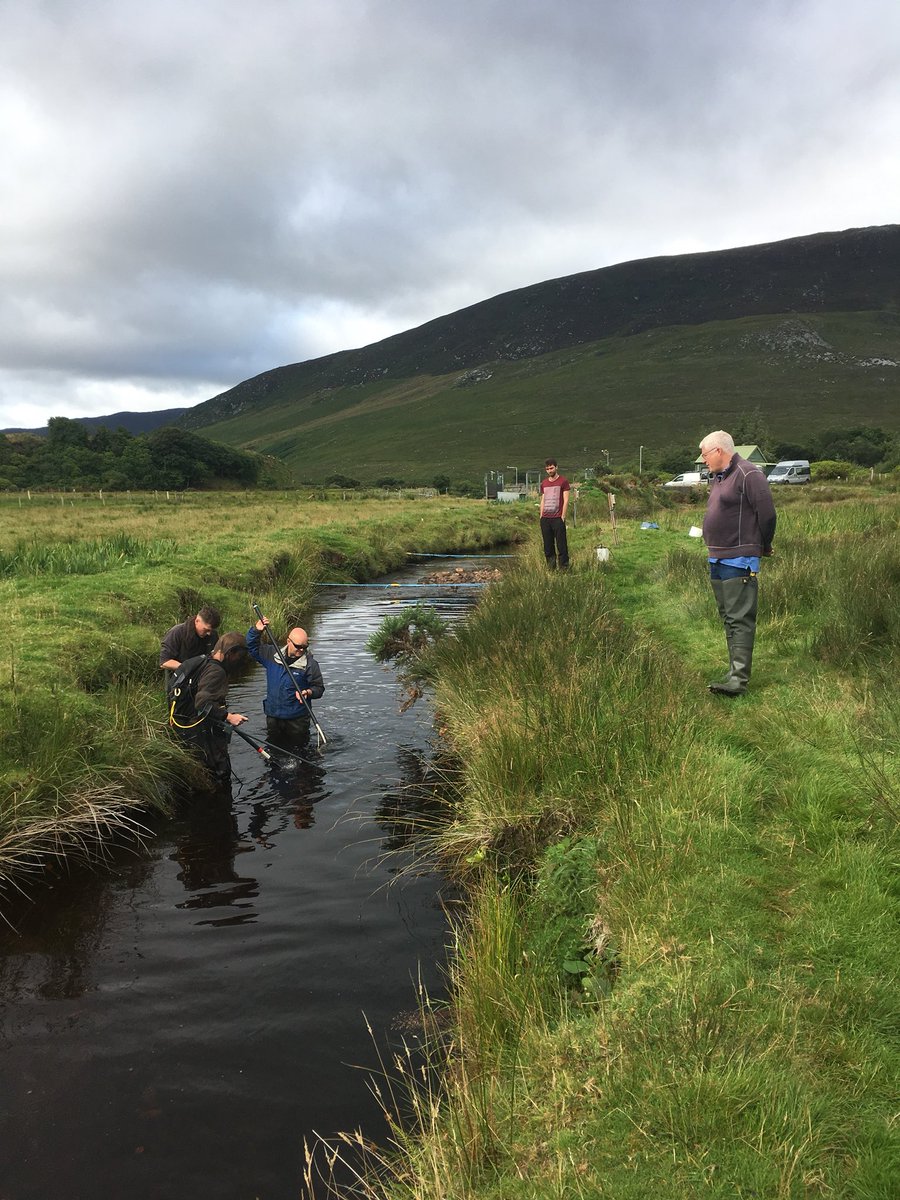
[738,529]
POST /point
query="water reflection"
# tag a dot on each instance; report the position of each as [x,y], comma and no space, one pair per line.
[285,796]
[207,843]
[50,937]
[409,811]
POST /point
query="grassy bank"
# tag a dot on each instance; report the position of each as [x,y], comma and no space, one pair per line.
[90,584]
[677,971]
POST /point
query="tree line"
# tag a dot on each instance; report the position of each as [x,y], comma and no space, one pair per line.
[860,445]
[72,456]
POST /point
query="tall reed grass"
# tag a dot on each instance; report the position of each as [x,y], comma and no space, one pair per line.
[70,557]
[78,773]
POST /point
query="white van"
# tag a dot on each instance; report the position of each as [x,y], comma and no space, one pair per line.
[792,470]
[687,479]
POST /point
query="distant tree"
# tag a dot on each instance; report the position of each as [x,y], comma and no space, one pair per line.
[861,444]
[677,459]
[441,483]
[752,429]
[63,432]
[165,458]
[891,460]
[137,465]
[187,460]
[341,481]
[465,487]
[784,450]
[388,481]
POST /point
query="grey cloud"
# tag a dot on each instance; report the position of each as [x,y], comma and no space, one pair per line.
[202,192]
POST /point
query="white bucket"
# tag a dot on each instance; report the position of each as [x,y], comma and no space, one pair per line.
[602,553]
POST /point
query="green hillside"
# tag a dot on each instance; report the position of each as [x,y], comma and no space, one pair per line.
[660,388]
[651,353]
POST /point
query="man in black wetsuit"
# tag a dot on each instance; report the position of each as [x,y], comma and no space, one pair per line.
[196,635]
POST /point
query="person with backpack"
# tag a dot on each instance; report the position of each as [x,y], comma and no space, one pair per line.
[198,708]
[287,702]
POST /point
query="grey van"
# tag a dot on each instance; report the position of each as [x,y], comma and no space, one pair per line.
[792,470]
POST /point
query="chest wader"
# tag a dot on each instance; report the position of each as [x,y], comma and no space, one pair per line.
[736,600]
[210,738]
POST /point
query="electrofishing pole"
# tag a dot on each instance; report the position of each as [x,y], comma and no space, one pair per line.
[257,743]
[257,746]
[281,659]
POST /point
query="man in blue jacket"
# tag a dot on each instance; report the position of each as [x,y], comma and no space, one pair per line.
[287,697]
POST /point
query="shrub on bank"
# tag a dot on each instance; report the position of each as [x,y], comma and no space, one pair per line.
[830,469]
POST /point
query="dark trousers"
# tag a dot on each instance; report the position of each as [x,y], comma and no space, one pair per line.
[556,546]
[211,743]
[289,733]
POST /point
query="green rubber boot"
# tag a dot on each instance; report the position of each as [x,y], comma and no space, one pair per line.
[740,598]
[720,605]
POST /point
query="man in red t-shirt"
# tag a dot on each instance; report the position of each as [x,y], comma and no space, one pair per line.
[554,505]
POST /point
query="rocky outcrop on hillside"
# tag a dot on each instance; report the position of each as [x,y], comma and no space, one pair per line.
[795,339]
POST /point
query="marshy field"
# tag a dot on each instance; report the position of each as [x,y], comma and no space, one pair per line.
[675,972]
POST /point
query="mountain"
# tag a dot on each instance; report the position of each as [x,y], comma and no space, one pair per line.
[648,353]
[134,422]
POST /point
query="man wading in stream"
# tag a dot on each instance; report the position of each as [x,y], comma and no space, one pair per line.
[196,635]
[198,709]
[287,702]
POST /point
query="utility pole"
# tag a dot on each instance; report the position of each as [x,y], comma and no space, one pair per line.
[641,461]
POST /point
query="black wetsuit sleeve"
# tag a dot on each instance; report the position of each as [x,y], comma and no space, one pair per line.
[172,645]
[212,691]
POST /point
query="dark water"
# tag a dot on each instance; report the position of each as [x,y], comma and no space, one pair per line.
[175,1024]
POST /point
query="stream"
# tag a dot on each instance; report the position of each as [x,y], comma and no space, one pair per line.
[176,1022]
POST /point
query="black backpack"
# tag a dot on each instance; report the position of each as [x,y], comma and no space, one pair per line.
[181,690]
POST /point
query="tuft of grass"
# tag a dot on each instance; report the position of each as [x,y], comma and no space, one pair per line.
[79,775]
[406,635]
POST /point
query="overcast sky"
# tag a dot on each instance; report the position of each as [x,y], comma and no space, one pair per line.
[194,191]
